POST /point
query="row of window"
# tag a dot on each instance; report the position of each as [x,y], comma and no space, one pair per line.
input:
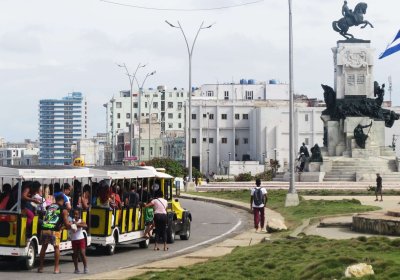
[170,125]
[170,105]
[223,116]
[224,140]
[248,94]
[170,115]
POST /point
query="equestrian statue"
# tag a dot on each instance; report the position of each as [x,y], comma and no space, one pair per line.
[351,18]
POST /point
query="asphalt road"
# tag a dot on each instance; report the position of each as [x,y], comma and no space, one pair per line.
[211,223]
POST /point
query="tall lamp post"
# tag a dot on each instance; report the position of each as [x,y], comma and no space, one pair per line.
[229,164]
[140,86]
[292,198]
[190,54]
[132,78]
[208,163]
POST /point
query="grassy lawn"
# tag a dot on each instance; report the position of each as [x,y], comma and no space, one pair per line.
[308,258]
[295,215]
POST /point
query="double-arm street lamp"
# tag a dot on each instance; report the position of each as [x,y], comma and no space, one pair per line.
[132,78]
[190,54]
[140,86]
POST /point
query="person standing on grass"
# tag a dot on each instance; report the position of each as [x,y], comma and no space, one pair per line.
[378,189]
[78,241]
[258,200]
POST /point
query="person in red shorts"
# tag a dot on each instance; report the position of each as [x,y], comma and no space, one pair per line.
[78,241]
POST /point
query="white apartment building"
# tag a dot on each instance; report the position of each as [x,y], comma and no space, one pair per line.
[166,107]
[228,130]
[19,156]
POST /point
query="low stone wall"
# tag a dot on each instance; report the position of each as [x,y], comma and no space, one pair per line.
[376,224]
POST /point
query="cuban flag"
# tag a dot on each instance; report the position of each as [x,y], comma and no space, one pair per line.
[392,47]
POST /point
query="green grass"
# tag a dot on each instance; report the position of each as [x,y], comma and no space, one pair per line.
[295,215]
[309,258]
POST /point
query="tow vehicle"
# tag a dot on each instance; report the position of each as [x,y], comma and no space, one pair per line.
[179,219]
[16,241]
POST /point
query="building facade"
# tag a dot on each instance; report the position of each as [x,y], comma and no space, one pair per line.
[166,108]
[62,122]
[92,150]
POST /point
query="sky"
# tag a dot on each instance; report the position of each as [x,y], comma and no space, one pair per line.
[50,48]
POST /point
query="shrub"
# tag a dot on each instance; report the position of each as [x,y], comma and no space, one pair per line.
[244,177]
[265,176]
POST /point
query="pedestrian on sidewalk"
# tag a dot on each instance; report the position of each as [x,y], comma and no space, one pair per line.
[378,189]
[258,200]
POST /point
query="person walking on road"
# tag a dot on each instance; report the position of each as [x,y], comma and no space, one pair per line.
[159,205]
[55,219]
[378,189]
[78,241]
[258,200]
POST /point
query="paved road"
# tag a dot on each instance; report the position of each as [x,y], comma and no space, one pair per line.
[210,221]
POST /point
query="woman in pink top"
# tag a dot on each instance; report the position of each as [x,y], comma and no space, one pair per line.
[159,205]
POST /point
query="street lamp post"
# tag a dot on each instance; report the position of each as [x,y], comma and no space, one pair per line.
[229,164]
[190,54]
[292,198]
[132,78]
[208,163]
[140,86]
[263,160]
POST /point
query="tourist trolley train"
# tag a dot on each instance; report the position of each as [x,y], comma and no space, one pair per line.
[16,239]
[107,227]
[125,225]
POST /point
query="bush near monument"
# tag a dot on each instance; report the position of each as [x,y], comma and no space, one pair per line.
[244,177]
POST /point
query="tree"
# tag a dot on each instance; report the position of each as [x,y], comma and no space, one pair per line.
[172,167]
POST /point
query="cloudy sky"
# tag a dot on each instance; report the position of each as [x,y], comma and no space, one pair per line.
[49,48]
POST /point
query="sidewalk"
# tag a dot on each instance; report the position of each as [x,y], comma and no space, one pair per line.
[343,232]
[223,248]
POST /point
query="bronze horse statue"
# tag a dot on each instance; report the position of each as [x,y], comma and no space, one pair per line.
[351,18]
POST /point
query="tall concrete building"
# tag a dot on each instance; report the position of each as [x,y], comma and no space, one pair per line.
[61,123]
[166,110]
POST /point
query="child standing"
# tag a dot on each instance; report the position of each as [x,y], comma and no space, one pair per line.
[148,221]
[78,241]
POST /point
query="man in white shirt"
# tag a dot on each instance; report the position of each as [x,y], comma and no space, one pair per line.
[257,205]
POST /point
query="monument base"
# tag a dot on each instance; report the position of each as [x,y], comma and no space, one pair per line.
[292,199]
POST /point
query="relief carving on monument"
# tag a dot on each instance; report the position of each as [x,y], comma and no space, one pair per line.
[355,59]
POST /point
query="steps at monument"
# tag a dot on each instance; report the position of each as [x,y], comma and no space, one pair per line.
[347,169]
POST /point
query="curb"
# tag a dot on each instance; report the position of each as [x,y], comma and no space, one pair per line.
[216,201]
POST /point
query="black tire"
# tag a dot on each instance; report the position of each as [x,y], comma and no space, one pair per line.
[171,233]
[110,248]
[144,244]
[29,261]
[186,234]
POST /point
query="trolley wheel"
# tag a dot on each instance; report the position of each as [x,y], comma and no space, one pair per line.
[186,234]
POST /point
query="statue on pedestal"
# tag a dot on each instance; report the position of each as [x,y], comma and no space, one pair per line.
[316,155]
[359,135]
[379,93]
[351,18]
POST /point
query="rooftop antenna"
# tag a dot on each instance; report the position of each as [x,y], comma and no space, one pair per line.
[390,88]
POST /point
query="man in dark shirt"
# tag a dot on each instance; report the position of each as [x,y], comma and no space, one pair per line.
[378,189]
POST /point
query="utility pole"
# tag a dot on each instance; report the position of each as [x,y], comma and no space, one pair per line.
[292,198]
